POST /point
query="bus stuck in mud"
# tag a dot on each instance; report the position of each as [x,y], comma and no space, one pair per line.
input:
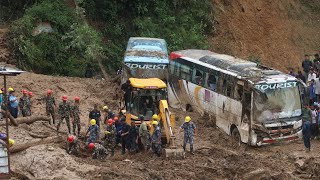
[255,104]
[145,58]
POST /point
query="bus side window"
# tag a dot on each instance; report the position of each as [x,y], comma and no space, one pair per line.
[198,77]
[172,67]
[185,72]
[177,69]
[212,82]
[238,92]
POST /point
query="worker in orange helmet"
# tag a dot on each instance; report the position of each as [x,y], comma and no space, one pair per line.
[51,106]
[75,115]
[64,113]
[110,136]
[23,104]
[72,145]
[99,152]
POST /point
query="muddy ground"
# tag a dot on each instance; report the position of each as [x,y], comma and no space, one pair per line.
[217,156]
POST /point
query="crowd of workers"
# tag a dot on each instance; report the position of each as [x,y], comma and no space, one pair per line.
[115,129]
[310,97]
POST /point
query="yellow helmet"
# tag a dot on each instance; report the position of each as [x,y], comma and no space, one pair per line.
[105,108]
[187,119]
[106,132]
[10,89]
[93,122]
[1,92]
[155,116]
[11,142]
[155,122]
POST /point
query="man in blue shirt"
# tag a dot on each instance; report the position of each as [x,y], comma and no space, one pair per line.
[312,93]
[14,103]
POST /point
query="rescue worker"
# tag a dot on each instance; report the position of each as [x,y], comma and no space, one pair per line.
[155,117]
[95,114]
[92,132]
[127,88]
[189,129]
[124,136]
[99,152]
[133,137]
[105,113]
[29,104]
[306,127]
[64,113]
[23,103]
[72,145]
[119,128]
[50,106]
[156,139]
[75,115]
[13,103]
[110,136]
[144,134]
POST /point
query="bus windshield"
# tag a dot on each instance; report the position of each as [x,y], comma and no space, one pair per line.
[276,101]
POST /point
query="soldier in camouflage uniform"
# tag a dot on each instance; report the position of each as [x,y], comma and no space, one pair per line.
[72,145]
[50,106]
[99,151]
[75,112]
[29,103]
[110,136]
[189,129]
[23,103]
[156,138]
[64,113]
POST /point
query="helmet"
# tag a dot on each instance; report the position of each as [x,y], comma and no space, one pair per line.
[70,139]
[187,119]
[155,122]
[155,117]
[93,122]
[30,94]
[110,121]
[10,89]
[11,142]
[77,98]
[116,118]
[105,108]
[64,97]
[24,91]
[91,146]
[1,92]
[49,91]
[141,117]
[106,132]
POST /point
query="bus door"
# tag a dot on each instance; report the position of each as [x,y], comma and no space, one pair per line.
[245,112]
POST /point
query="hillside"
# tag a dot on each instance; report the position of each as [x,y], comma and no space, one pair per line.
[277,32]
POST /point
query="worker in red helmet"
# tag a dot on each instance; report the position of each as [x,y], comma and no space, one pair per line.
[64,113]
[110,136]
[72,145]
[51,106]
[23,104]
[75,115]
[99,152]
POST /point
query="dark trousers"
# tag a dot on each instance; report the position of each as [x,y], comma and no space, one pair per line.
[306,141]
[124,141]
[314,130]
[13,111]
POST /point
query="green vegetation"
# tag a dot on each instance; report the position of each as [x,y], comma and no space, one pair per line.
[73,44]
[182,23]
[65,51]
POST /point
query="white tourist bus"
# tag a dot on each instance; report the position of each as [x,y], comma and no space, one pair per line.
[255,104]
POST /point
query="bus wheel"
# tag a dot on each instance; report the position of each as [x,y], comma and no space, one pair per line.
[236,136]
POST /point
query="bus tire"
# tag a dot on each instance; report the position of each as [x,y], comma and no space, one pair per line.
[236,136]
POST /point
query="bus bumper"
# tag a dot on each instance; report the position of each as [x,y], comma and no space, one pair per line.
[266,141]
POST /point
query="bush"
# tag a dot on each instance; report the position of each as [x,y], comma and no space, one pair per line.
[182,23]
[65,51]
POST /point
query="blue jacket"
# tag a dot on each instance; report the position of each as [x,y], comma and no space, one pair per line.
[312,92]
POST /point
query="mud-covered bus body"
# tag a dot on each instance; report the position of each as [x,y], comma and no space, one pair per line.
[145,58]
[256,104]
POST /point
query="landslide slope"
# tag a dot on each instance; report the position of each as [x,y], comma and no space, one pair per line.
[278,33]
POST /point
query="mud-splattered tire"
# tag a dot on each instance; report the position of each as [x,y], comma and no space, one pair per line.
[236,136]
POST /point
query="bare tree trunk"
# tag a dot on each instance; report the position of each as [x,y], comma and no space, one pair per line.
[12,120]
[27,120]
[21,147]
